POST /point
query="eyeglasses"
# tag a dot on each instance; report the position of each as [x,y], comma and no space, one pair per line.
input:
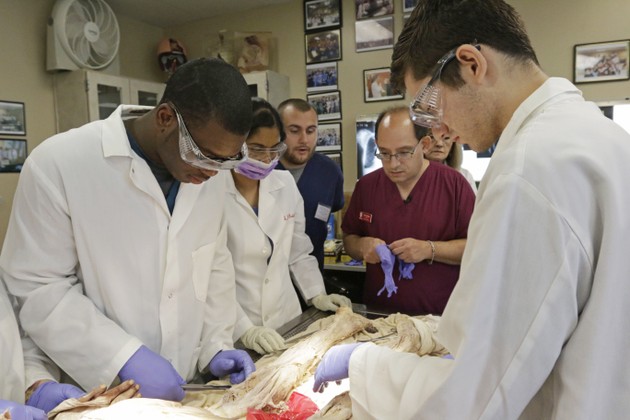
[400,156]
[426,108]
[190,153]
[266,154]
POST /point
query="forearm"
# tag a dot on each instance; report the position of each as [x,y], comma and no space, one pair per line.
[447,252]
[352,245]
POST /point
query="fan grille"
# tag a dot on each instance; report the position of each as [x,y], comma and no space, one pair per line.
[88,31]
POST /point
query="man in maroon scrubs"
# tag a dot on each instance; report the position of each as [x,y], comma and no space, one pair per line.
[419,209]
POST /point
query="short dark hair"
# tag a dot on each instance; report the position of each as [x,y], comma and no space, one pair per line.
[437,26]
[209,88]
[265,115]
[297,103]
[418,131]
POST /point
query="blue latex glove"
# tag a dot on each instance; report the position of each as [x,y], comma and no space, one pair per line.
[50,394]
[387,264]
[21,412]
[405,269]
[155,375]
[235,362]
[334,365]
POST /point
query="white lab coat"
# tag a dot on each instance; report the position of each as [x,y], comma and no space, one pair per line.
[264,291]
[100,265]
[539,321]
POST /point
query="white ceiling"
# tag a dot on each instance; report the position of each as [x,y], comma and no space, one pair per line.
[164,13]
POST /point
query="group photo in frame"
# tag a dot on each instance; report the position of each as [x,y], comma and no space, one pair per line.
[323,46]
[327,105]
[12,118]
[328,137]
[12,154]
[321,77]
[366,9]
[374,34]
[601,62]
[409,5]
[320,14]
[377,85]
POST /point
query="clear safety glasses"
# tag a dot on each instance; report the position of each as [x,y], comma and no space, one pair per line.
[190,153]
[426,108]
[266,154]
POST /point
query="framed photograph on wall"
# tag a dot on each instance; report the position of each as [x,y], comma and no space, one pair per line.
[336,157]
[601,62]
[374,34]
[366,9]
[320,14]
[377,85]
[366,145]
[12,154]
[321,76]
[323,46]
[12,118]
[408,5]
[328,137]
[327,105]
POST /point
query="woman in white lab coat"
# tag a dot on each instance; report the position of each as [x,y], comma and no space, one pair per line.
[265,214]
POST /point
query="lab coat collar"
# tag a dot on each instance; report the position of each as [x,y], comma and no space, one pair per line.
[115,142]
[553,89]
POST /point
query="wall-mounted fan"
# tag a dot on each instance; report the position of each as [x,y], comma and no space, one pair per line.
[81,34]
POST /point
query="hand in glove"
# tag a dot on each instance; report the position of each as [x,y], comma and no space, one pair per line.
[50,394]
[330,302]
[155,375]
[235,362]
[334,365]
[21,412]
[262,340]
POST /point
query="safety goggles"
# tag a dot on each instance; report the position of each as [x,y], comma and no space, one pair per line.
[190,153]
[426,109]
[266,154]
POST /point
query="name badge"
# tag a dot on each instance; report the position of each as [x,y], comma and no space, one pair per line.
[365,216]
[322,213]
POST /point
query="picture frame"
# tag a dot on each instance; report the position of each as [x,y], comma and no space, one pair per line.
[329,137]
[601,62]
[13,153]
[12,118]
[374,34]
[323,46]
[409,5]
[366,145]
[320,14]
[366,9]
[336,157]
[321,77]
[327,105]
[377,85]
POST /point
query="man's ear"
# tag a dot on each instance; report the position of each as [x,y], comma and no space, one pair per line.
[473,64]
[165,117]
[426,143]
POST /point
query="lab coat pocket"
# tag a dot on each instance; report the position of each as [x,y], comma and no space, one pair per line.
[202,268]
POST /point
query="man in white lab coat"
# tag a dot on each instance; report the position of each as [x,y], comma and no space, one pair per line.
[116,244]
[538,322]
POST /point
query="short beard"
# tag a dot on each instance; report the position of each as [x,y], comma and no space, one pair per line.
[290,157]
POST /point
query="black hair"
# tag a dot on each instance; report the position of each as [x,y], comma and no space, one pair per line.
[265,115]
[437,26]
[297,103]
[209,88]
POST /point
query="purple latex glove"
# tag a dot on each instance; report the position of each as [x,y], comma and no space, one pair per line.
[405,269]
[49,395]
[334,365]
[22,412]
[155,375]
[235,362]
[387,264]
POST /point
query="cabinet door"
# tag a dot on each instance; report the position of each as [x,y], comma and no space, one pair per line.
[105,93]
[145,93]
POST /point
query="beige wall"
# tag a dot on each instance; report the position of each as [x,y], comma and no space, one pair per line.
[554,26]
[23,75]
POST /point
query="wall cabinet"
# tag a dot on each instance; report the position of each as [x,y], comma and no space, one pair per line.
[269,85]
[82,96]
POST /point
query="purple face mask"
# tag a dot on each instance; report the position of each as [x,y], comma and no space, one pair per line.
[255,169]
